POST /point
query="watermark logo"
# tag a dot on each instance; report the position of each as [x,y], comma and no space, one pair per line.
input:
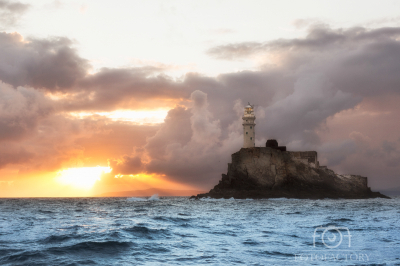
[332,243]
[331,236]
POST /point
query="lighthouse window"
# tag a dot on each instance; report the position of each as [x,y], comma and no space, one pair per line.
[246,133]
[251,138]
[251,127]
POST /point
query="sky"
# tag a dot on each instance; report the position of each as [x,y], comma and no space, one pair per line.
[100,96]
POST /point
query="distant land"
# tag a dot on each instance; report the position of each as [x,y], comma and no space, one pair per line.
[151,191]
[392,191]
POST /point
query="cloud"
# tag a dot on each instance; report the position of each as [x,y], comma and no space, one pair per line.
[236,51]
[303,23]
[297,116]
[323,92]
[127,165]
[18,156]
[389,146]
[198,154]
[319,37]
[125,87]
[337,151]
[175,130]
[322,75]
[35,134]
[11,11]
[21,110]
[40,63]
[53,65]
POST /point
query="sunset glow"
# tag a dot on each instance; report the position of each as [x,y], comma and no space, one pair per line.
[135,116]
[83,177]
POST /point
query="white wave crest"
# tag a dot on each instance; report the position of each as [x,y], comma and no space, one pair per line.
[154,197]
[212,199]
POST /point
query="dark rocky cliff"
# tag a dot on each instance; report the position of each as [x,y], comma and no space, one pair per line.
[264,172]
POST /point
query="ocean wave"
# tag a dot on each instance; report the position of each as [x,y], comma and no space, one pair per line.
[25,257]
[285,199]
[267,232]
[105,247]
[144,231]
[203,257]
[7,251]
[250,242]
[152,198]
[155,249]
[212,199]
[293,213]
[185,235]
[277,253]
[57,239]
[114,231]
[342,220]
[136,199]
[45,211]
[72,227]
[172,219]
[225,232]
[141,210]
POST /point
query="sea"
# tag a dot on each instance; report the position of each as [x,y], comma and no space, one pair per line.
[179,231]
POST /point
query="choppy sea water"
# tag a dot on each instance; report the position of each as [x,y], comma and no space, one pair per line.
[179,231]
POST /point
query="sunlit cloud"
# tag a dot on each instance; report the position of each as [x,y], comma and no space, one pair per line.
[137,117]
[82,177]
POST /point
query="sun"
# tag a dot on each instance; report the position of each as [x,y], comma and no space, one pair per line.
[82,177]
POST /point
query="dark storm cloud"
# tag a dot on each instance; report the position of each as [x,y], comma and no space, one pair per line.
[188,147]
[325,73]
[176,129]
[328,71]
[40,63]
[295,117]
[10,12]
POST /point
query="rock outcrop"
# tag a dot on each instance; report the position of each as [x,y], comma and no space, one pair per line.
[266,172]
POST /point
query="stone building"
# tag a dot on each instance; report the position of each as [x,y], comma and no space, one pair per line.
[249,135]
[273,172]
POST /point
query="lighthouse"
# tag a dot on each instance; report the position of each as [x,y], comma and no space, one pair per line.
[249,133]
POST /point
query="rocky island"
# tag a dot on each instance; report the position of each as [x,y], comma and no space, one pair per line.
[273,172]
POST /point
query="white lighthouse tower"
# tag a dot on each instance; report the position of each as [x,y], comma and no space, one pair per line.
[249,133]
